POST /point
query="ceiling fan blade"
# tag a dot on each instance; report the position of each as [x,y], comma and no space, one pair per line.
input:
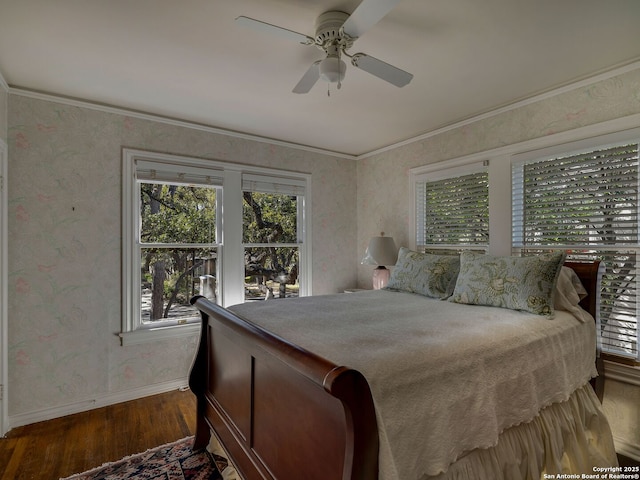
[273,29]
[382,70]
[366,15]
[309,79]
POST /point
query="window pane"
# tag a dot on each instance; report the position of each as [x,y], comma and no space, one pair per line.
[271,272]
[454,211]
[177,214]
[171,276]
[269,218]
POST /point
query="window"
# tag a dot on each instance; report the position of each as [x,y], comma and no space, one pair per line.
[177,244]
[452,209]
[272,235]
[586,202]
[574,191]
[178,250]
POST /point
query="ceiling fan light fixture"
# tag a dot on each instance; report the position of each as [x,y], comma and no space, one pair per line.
[332,69]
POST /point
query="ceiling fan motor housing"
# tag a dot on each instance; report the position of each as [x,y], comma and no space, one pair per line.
[328,30]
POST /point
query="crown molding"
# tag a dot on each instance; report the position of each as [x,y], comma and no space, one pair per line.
[75,102]
[579,83]
[574,85]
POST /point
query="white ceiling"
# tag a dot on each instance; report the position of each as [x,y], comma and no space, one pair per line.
[189,60]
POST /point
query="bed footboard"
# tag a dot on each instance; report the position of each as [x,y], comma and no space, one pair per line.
[279,411]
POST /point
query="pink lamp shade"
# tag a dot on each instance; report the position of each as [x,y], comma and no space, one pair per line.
[381,251]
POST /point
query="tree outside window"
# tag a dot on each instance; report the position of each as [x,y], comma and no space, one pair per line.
[176,244]
[270,236]
[178,252]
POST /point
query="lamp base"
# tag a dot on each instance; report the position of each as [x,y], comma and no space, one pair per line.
[381,277]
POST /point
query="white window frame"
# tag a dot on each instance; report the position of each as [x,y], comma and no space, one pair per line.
[501,160]
[229,238]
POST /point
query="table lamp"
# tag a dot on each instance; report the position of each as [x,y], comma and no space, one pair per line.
[381,251]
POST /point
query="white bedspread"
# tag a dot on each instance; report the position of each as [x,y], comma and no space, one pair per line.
[445,378]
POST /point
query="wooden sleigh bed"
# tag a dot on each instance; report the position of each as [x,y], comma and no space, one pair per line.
[283,412]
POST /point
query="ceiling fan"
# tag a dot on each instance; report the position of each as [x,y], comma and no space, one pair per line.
[335,34]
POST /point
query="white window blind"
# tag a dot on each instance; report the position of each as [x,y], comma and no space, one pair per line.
[587,204]
[452,209]
[178,174]
[271,184]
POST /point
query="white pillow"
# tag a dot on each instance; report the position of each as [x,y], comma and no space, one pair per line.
[568,293]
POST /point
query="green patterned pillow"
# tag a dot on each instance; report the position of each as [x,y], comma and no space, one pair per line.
[518,283]
[425,274]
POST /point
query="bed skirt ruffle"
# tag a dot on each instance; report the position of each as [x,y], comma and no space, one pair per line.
[572,437]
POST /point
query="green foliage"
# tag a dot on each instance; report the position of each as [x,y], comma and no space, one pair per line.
[177,214]
[181,221]
[269,218]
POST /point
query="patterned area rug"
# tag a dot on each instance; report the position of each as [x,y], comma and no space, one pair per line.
[173,461]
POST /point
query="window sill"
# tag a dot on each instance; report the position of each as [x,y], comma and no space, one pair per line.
[147,335]
[622,373]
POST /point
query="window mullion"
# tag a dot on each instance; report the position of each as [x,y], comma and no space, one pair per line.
[233,261]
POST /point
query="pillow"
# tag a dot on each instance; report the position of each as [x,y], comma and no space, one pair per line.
[424,273]
[568,293]
[517,283]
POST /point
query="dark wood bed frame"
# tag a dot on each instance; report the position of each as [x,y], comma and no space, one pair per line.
[284,413]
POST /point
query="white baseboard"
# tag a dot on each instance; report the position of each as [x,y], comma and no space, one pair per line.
[622,373]
[627,449]
[89,404]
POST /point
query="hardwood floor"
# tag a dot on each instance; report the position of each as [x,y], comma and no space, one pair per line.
[75,443]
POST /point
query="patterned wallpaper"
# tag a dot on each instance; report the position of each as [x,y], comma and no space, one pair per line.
[383,179]
[65,245]
[64,228]
[384,198]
